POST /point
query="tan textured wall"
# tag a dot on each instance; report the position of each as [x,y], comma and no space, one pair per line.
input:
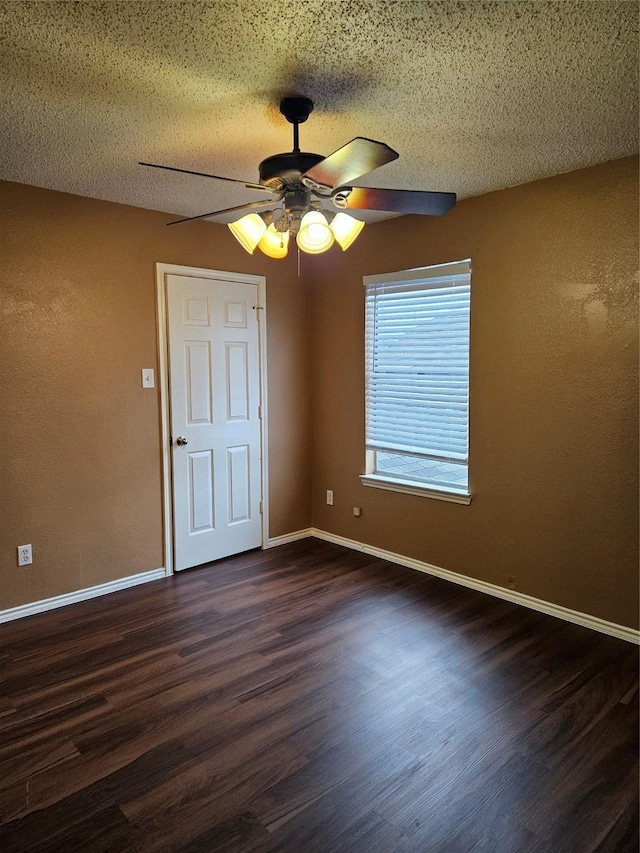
[80,439]
[554,391]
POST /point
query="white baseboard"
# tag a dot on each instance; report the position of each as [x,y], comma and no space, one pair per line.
[290,537]
[575,616]
[79,595]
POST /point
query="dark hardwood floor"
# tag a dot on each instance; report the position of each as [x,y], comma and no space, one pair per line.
[311,698]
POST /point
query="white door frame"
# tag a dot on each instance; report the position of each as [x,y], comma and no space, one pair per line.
[162,271]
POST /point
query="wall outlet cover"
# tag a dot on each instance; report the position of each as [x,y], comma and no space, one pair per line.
[25,555]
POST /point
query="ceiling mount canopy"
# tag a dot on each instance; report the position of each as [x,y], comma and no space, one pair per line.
[306,190]
[296,110]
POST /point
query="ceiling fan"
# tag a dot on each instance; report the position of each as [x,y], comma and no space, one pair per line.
[309,194]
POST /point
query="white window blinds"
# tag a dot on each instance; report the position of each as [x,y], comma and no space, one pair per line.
[417,364]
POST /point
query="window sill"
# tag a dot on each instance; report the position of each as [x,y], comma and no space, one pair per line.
[408,487]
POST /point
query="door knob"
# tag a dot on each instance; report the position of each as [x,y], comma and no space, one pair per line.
[181,441]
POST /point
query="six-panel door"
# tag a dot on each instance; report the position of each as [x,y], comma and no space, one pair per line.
[214,404]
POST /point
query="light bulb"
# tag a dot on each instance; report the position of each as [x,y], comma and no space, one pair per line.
[345,229]
[314,236]
[275,244]
[248,231]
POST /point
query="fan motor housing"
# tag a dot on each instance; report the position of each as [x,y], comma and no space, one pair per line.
[281,170]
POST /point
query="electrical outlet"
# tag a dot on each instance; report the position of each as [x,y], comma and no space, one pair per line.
[357,511]
[25,556]
[330,497]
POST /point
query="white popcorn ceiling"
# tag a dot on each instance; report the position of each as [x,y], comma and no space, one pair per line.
[474,96]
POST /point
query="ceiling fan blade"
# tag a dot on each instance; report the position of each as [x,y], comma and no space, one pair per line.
[353,160]
[248,184]
[251,205]
[393,201]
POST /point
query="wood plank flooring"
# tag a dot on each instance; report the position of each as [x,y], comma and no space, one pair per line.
[311,698]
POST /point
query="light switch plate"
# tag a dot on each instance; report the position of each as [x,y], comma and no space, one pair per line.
[148,380]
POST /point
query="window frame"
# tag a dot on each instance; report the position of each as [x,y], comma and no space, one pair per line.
[388,482]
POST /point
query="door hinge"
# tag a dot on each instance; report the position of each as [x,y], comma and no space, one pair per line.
[261,508]
[260,412]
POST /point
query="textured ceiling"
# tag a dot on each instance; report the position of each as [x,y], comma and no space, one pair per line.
[475,96]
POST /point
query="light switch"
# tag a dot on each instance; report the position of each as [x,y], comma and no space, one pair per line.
[147,377]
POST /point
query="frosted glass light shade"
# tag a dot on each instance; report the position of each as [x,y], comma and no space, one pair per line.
[275,244]
[314,235]
[345,229]
[248,231]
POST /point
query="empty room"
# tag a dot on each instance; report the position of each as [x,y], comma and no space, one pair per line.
[319,408]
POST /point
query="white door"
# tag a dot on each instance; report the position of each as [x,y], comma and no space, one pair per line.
[214,398]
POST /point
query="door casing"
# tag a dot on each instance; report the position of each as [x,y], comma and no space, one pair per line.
[162,271]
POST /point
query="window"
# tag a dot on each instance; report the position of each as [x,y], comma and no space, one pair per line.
[417,380]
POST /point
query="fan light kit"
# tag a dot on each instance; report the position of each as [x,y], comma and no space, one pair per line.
[301,184]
